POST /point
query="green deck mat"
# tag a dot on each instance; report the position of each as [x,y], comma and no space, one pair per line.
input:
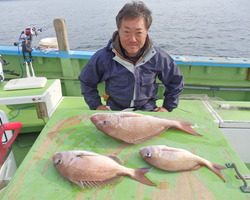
[22,146]
[70,129]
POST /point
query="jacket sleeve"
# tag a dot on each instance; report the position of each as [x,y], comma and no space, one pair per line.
[89,78]
[173,81]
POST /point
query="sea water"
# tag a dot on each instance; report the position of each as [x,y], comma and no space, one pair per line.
[184,27]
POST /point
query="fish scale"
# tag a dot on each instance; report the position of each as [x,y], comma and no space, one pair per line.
[87,169]
[135,128]
[175,159]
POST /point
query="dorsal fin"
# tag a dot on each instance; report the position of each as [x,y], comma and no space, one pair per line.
[83,153]
[130,114]
[171,149]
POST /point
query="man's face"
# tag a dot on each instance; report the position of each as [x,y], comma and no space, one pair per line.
[133,34]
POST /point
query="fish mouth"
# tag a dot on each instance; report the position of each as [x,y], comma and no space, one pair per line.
[57,162]
[57,159]
[94,119]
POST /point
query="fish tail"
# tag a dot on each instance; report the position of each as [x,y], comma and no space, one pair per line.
[186,127]
[216,168]
[139,175]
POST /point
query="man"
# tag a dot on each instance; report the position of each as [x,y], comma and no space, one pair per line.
[129,65]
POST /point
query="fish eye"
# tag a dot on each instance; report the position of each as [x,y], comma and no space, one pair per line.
[59,161]
[105,122]
[148,155]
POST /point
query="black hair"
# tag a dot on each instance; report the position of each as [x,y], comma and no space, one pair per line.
[133,10]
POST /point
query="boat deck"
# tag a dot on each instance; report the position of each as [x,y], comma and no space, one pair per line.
[70,128]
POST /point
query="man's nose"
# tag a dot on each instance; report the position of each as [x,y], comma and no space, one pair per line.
[132,38]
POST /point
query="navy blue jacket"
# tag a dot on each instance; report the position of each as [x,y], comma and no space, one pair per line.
[131,85]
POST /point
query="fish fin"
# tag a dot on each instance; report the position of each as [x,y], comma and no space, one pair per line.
[171,149]
[80,153]
[84,155]
[198,166]
[138,140]
[86,184]
[216,168]
[139,175]
[186,127]
[92,184]
[130,114]
[115,158]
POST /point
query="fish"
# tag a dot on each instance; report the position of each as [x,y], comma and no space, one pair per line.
[176,159]
[135,128]
[88,169]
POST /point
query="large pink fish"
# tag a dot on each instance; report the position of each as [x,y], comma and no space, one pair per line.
[88,169]
[174,159]
[135,128]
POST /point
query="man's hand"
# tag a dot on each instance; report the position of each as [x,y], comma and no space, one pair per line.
[160,109]
[103,107]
